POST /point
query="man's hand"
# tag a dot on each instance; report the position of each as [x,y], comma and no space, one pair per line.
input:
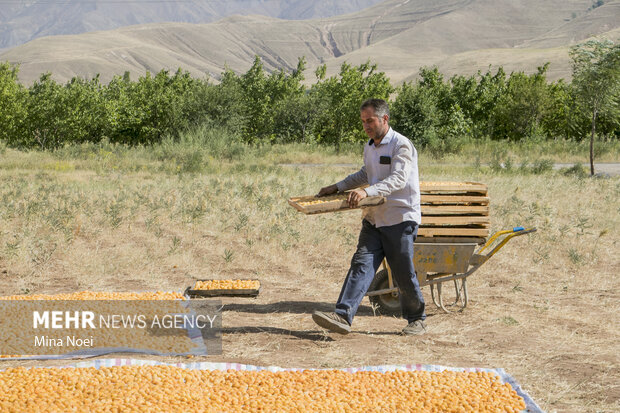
[355,197]
[328,190]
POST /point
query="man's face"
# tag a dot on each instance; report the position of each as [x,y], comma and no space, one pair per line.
[374,126]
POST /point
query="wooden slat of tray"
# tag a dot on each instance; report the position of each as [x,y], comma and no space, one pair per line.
[455,210]
[334,203]
[454,220]
[449,240]
[453,199]
[453,187]
[453,232]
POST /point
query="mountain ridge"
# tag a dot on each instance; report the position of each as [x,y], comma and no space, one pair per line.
[460,36]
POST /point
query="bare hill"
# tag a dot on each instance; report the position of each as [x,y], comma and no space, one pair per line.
[460,36]
[599,21]
[21,22]
[552,47]
[459,41]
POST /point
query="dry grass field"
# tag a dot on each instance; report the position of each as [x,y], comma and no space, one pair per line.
[113,219]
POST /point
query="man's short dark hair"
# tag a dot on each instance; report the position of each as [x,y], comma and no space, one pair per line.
[380,106]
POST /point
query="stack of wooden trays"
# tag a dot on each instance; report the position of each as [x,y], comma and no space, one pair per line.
[454,209]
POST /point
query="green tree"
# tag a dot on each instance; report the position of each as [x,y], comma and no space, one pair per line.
[522,106]
[154,107]
[12,107]
[342,96]
[262,94]
[222,105]
[45,120]
[488,92]
[557,122]
[477,97]
[415,113]
[84,111]
[596,82]
[297,117]
[57,114]
[463,92]
[429,113]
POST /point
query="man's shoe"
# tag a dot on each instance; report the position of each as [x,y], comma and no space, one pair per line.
[415,328]
[332,322]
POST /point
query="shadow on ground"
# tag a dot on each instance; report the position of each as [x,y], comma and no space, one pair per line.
[311,335]
[295,307]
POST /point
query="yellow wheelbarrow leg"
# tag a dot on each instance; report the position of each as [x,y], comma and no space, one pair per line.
[460,291]
[465,298]
[434,297]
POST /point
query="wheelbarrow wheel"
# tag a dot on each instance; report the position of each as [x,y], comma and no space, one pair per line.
[385,304]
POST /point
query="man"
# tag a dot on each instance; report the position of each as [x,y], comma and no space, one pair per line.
[388,230]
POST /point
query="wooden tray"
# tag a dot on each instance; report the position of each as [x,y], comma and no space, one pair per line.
[194,293]
[331,203]
[453,188]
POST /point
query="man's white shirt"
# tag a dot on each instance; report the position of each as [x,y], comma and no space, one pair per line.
[391,170]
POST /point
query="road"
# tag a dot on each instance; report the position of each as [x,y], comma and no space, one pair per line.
[609,168]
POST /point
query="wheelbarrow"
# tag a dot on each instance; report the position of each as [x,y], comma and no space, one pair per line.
[440,260]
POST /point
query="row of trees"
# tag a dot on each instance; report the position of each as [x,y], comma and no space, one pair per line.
[260,107]
[256,106]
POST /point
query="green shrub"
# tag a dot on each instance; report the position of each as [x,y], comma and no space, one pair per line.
[541,166]
[577,170]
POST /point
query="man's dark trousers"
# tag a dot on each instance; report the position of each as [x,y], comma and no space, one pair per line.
[395,243]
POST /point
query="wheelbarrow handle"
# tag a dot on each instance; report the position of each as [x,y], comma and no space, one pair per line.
[510,233]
